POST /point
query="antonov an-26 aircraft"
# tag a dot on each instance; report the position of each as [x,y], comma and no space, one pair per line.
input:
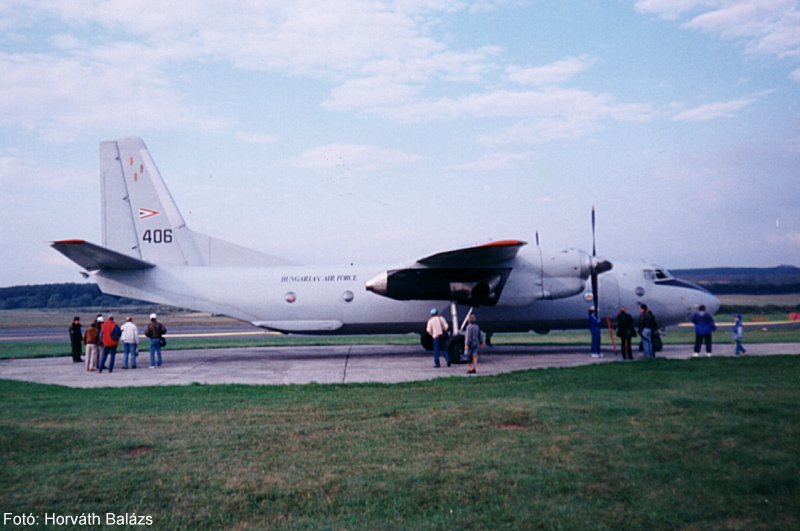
[149,253]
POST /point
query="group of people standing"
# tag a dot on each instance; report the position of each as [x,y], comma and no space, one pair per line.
[438,329]
[704,327]
[627,328]
[103,336]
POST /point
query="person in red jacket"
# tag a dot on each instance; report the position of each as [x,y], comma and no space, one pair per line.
[111,334]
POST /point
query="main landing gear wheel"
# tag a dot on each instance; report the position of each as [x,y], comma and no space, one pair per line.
[426,340]
[455,349]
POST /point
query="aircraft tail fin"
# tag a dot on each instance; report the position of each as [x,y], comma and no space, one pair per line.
[141,219]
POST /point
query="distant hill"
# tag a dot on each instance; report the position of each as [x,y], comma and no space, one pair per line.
[745,280]
[59,296]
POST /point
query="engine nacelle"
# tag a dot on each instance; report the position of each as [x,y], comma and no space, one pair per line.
[564,274]
[543,275]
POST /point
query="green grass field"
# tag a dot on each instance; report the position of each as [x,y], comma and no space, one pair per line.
[696,444]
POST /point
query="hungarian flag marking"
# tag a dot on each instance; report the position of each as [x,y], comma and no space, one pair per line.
[145,213]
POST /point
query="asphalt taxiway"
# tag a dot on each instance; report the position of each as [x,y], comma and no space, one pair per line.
[324,365]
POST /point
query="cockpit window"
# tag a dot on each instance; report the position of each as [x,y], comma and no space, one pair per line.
[657,275]
[662,274]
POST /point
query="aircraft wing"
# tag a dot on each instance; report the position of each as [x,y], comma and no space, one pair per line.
[474,275]
[486,254]
[94,257]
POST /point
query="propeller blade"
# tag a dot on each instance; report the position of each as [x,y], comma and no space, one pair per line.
[595,290]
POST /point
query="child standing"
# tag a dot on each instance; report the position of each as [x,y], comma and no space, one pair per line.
[738,335]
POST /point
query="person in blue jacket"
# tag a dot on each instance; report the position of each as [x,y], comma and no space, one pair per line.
[594,329]
[738,335]
[704,327]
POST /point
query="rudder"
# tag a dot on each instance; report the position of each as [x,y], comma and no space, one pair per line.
[140,217]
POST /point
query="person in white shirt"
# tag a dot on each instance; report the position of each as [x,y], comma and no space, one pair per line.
[130,342]
[437,328]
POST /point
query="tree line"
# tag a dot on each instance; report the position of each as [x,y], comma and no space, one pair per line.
[53,296]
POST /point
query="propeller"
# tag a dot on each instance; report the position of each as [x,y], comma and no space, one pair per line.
[598,266]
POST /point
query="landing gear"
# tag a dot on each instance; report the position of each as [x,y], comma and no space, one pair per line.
[455,345]
[455,349]
[426,340]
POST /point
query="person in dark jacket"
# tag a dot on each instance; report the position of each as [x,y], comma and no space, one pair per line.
[648,327]
[704,326]
[76,339]
[625,332]
[155,332]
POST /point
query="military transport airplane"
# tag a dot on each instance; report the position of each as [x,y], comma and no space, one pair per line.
[149,253]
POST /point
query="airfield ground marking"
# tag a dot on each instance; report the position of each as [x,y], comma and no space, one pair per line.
[346,361]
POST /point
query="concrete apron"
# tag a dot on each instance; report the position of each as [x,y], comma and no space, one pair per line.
[327,365]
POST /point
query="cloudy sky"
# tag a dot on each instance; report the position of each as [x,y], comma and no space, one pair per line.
[384,131]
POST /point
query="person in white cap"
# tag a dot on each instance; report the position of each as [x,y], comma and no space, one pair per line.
[155,331]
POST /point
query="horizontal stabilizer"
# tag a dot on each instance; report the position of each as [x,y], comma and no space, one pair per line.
[94,258]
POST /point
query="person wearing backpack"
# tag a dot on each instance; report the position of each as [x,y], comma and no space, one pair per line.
[111,333]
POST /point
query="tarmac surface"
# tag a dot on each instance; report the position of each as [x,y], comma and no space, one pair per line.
[326,365]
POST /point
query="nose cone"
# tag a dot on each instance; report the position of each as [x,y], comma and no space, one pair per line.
[600,265]
[712,303]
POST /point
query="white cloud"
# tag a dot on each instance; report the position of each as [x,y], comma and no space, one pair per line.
[496,161]
[672,9]
[791,240]
[542,131]
[770,27]
[352,158]
[65,97]
[255,138]
[712,111]
[371,94]
[377,58]
[551,74]
[550,102]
